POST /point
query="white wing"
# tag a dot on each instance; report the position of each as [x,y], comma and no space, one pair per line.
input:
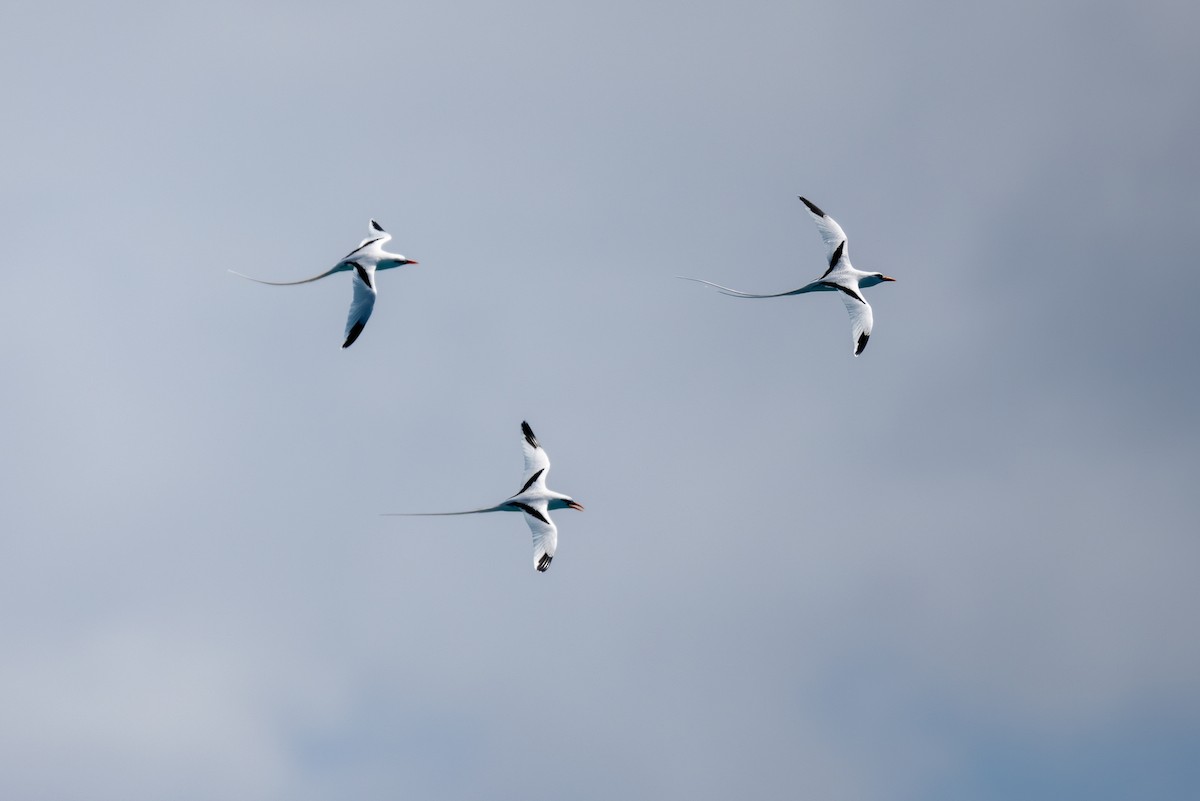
[376,234]
[815,286]
[363,303]
[376,239]
[861,318]
[537,463]
[545,535]
[836,248]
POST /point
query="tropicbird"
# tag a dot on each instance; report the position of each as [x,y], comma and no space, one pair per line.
[365,259]
[534,499]
[840,276]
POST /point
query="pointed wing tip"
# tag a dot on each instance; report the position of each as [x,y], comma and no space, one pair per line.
[813,207]
[529,437]
[861,345]
[543,564]
[376,226]
[353,335]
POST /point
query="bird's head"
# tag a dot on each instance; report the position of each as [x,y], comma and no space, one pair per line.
[565,503]
[875,278]
[391,260]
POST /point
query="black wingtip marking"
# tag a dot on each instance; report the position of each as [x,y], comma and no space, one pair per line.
[529,437]
[377,227]
[544,562]
[529,510]
[812,207]
[532,479]
[862,343]
[353,335]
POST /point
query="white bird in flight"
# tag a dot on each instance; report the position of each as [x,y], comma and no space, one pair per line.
[840,276]
[364,260]
[534,499]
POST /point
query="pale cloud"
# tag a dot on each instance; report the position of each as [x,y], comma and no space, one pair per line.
[955,566]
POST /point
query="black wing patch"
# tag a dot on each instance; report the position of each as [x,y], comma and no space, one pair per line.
[862,343]
[360,247]
[813,207]
[529,510]
[544,562]
[841,288]
[835,258]
[353,335]
[532,479]
[529,437]
[377,227]
[363,274]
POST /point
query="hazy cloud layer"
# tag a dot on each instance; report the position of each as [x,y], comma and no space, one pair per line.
[960,566]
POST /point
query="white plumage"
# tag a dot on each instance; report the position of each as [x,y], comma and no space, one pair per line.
[840,277]
[535,500]
[364,260]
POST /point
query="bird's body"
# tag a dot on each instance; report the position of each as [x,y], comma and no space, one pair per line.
[840,277]
[365,260]
[534,499]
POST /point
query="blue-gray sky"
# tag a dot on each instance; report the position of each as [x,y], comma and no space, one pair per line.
[960,566]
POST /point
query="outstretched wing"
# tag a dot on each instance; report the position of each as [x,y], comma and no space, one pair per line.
[377,237]
[861,318]
[363,302]
[836,248]
[816,286]
[537,463]
[376,234]
[545,534]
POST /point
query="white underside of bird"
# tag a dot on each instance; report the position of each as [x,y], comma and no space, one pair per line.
[534,500]
[839,277]
[365,260]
